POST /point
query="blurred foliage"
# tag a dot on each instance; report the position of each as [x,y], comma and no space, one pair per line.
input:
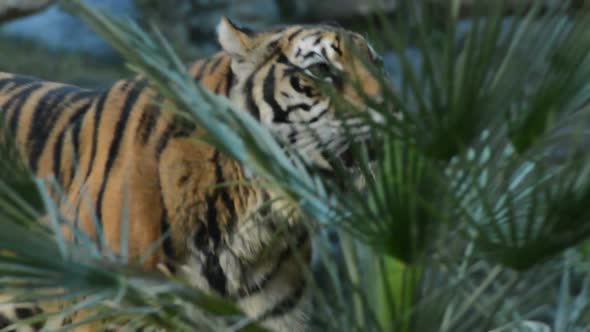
[30,58]
[461,223]
[190,25]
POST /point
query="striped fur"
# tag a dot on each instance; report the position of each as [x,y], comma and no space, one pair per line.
[120,147]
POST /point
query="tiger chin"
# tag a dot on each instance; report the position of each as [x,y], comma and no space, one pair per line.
[119,146]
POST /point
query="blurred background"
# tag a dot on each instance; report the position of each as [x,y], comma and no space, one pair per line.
[37,38]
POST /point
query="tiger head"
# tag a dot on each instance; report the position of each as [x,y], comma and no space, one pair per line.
[288,78]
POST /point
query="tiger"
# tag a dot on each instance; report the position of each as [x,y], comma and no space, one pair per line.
[120,149]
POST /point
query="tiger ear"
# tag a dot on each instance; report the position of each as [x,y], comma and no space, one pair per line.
[238,42]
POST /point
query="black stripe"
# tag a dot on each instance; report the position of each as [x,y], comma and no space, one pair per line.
[132,97]
[97,116]
[16,102]
[212,270]
[249,92]
[169,254]
[163,139]
[287,304]
[57,152]
[177,127]
[286,254]
[296,85]
[272,45]
[43,120]
[215,65]
[268,89]
[336,49]
[214,273]
[315,34]
[26,312]
[97,109]
[76,146]
[310,54]
[325,53]
[17,80]
[8,80]
[172,130]
[298,53]
[4,321]
[295,34]
[149,118]
[84,94]
[282,58]
[201,70]
[58,147]
[301,106]
[319,116]
[148,123]
[229,79]
[200,237]
[168,249]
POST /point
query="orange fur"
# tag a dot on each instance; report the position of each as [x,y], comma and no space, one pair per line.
[120,148]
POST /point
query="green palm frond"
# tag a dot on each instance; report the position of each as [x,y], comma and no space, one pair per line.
[236,132]
[462,223]
[39,265]
[450,115]
[488,109]
[19,196]
[109,290]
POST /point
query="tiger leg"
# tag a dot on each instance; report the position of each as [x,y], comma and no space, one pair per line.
[271,281]
[221,250]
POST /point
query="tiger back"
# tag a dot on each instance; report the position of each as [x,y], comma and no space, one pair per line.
[120,155]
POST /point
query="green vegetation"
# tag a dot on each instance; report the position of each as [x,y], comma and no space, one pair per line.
[465,222]
[29,58]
